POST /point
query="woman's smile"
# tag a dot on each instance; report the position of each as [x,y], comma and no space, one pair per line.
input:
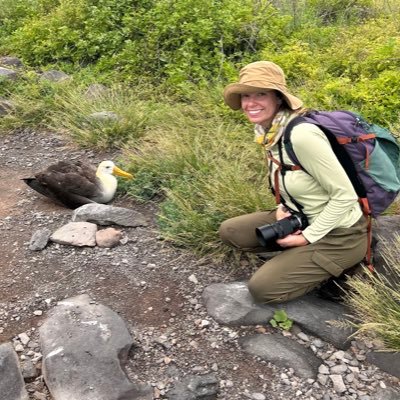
[260,107]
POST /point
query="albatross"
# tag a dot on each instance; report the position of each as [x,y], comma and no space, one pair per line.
[75,183]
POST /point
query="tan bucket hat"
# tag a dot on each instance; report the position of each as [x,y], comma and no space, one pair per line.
[257,76]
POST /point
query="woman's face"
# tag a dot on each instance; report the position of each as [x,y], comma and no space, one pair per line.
[261,107]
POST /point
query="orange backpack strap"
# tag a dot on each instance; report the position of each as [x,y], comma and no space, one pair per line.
[280,169]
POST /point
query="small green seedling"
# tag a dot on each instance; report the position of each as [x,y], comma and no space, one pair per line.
[281,320]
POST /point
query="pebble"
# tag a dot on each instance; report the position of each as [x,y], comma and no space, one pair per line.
[323,369]
[318,343]
[338,369]
[192,278]
[338,384]
[24,338]
[303,336]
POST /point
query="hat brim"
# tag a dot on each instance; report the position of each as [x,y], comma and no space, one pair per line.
[233,92]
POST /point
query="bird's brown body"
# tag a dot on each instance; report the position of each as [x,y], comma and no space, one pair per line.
[75,183]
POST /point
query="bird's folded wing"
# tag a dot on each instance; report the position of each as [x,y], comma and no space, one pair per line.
[70,182]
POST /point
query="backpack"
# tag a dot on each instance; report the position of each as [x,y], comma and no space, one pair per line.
[369,154]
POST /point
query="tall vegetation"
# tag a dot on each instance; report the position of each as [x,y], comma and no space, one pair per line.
[375,302]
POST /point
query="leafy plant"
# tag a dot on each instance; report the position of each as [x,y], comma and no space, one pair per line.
[281,320]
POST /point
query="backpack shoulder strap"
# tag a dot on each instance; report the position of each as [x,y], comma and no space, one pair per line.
[287,142]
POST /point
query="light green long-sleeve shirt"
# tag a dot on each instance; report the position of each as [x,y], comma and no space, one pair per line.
[325,192]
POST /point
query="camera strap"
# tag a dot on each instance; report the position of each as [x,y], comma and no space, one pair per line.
[281,169]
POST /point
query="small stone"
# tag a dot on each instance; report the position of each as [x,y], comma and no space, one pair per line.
[338,384]
[28,369]
[258,396]
[167,360]
[19,348]
[318,343]
[54,76]
[38,313]
[322,379]
[303,336]
[39,239]
[95,91]
[204,323]
[24,338]
[7,73]
[323,369]
[338,355]
[108,237]
[192,278]
[105,116]
[339,369]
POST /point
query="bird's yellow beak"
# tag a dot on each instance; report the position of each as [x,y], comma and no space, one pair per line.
[120,172]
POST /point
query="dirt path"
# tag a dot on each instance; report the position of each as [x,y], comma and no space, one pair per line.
[145,281]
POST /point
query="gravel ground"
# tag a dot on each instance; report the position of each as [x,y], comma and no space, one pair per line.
[154,287]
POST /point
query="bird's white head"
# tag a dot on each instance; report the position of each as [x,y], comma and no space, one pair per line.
[109,168]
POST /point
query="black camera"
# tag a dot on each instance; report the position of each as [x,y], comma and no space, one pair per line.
[281,228]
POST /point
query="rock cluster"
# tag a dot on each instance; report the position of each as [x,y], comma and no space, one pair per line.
[305,357]
[80,233]
[83,347]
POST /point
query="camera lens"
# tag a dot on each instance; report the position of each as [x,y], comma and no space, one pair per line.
[280,229]
[265,234]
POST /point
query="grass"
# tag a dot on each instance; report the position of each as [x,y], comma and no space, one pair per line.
[375,300]
[75,115]
[206,169]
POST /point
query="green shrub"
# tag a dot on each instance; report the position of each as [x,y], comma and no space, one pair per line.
[187,40]
[16,13]
[78,31]
[178,41]
[353,67]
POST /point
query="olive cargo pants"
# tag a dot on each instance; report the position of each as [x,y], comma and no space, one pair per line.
[296,270]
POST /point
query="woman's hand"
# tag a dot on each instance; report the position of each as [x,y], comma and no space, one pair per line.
[296,239]
[282,212]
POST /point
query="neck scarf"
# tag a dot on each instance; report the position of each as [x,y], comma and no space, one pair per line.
[269,137]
